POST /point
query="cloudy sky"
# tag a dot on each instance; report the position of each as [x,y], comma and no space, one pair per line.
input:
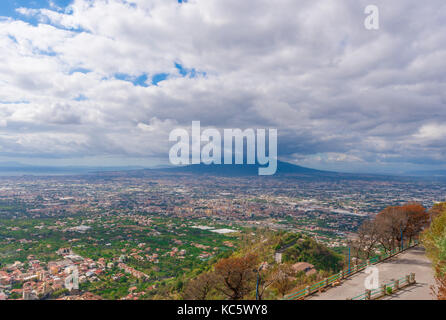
[105,81]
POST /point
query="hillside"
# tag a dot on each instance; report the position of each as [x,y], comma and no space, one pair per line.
[257,252]
[434,240]
[296,248]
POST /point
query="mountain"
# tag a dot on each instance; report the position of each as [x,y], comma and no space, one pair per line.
[17,168]
[428,173]
[283,168]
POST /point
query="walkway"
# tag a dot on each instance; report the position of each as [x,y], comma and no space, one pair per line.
[413,260]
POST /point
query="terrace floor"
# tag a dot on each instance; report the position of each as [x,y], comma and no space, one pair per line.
[412,260]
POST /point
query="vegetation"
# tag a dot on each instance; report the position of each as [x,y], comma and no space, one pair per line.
[201,287]
[389,290]
[389,229]
[434,240]
[308,250]
[237,276]
[283,279]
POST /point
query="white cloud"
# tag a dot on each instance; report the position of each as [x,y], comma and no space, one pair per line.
[431,131]
[308,68]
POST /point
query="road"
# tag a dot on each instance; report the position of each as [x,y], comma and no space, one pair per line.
[412,260]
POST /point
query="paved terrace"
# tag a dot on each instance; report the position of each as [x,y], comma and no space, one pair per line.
[412,260]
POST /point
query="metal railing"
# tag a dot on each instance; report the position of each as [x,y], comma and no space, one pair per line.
[394,286]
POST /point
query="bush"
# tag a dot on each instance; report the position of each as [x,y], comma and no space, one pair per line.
[434,240]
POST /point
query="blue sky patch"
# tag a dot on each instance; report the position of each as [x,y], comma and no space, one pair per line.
[8,8]
[12,38]
[192,73]
[140,81]
[15,102]
[159,77]
[81,97]
[81,70]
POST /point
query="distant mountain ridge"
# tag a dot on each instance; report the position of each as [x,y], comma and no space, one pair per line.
[21,168]
[283,168]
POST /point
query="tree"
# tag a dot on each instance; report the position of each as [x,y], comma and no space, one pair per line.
[434,240]
[266,279]
[396,221]
[283,281]
[417,219]
[390,222]
[407,220]
[437,209]
[439,290]
[432,237]
[368,237]
[200,287]
[236,276]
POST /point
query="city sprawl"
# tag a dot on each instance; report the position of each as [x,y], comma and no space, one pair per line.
[138,236]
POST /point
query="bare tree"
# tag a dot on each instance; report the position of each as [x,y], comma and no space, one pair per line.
[283,281]
[417,219]
[236,276]
[200,287]
[368,237]
[266,279]
[390,223]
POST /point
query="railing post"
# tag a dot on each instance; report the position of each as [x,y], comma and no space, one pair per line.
[368,294]
[383,289]
[341,274]
[307,291]
[368,262]
[408,279]
[397,285]
[412,277]
[326,282]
